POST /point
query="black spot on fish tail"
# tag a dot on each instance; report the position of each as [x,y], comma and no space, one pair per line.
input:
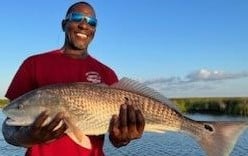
[208,127]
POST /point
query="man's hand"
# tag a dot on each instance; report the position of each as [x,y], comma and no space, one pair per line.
[128,126]
[39,133]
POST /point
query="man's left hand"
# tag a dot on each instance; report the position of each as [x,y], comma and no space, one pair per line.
[129,125]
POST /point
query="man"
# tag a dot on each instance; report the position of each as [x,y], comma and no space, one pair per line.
[71,63]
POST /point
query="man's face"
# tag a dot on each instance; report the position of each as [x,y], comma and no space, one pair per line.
[79,33]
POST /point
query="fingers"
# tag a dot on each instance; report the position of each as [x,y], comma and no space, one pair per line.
[55,122]
[60,131]
[52,130]
[114,131]
[123,119]
[114,126]
[40,120]
[131,122]
[140,122]
[130,118]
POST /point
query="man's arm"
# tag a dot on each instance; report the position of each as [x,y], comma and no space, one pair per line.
[36,133]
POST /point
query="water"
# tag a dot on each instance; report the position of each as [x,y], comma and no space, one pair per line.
[168,144]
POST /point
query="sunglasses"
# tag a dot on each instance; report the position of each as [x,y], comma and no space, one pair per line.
[79,17]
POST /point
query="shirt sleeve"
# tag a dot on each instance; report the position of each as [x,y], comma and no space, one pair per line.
[111,77]
[23,80]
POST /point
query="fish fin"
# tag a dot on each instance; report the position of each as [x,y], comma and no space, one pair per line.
[77,136]
[140,88]
[222,138]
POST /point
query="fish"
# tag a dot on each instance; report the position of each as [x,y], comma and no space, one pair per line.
[89,108]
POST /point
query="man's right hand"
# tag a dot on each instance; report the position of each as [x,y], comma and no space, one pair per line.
[36,133]
[40,133]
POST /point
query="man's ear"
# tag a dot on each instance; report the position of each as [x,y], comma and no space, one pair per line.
[63,24]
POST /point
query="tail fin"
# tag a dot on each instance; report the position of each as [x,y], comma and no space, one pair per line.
[219,138]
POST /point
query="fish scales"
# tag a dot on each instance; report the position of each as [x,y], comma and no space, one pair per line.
[95,104]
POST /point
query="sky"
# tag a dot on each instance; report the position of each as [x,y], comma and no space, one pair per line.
[181,48]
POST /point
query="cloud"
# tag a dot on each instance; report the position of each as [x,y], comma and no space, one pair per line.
[208,75]
[201,75]
[202,82]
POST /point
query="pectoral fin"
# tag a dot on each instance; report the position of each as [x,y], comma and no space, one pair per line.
[77,136]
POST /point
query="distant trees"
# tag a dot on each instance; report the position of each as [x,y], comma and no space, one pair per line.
[3,102]
[234,106]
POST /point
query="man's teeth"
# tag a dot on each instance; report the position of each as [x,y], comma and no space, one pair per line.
[82,35]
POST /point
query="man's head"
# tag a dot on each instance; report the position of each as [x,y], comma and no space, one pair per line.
[79,26]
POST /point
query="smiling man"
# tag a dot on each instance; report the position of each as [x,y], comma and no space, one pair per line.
[80,27]
[71,63]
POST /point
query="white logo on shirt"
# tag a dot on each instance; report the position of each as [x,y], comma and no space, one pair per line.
[93,77]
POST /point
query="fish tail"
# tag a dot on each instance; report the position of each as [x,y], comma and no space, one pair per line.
[219,138]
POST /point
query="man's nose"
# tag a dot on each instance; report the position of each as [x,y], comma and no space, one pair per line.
[83,24]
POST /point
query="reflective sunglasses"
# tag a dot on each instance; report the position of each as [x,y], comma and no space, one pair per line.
[79,17]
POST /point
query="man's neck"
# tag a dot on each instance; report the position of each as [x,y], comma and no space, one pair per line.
[78,54]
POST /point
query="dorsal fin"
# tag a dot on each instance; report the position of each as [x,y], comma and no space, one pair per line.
[137,87]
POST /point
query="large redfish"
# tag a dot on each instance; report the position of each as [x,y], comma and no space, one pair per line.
[89,108]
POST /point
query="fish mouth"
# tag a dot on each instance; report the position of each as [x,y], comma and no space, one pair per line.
[13,119]
[16,122]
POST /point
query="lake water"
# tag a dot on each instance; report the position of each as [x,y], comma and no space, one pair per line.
[167,144]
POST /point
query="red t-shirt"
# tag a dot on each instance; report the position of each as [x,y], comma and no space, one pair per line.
[55,67]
